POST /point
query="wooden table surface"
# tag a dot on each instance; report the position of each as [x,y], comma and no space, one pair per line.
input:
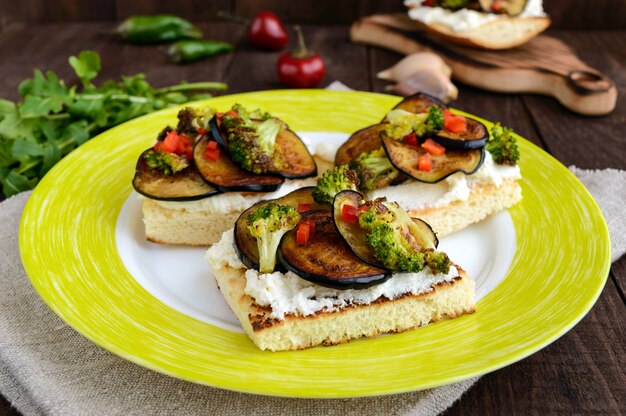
[581,373]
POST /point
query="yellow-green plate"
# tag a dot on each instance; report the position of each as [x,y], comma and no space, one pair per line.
[68,245]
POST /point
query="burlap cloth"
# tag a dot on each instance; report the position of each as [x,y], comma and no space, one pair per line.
[46,368]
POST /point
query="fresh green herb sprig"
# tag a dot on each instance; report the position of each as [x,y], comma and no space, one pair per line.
[53,119]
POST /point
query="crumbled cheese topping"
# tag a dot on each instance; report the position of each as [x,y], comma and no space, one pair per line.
[289,294]
[464,19]
[414,195]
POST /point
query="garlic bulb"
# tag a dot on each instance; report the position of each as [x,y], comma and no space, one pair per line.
[421,72]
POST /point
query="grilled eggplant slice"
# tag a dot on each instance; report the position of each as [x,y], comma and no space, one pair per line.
[246,244]
[474,137]
[326,259]
[354,235]
[186,185]
[298,161]
[351,232]
[405,158]
[418,103]
[364,140]
[226,176]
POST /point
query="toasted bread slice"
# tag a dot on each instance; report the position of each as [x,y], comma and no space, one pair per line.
[484,200]
[503,33]
[448,299]
[179,223]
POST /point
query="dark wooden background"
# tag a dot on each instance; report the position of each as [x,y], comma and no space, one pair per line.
[566,14]
[583,372]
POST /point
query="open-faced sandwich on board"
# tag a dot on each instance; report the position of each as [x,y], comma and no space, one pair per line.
[488,24]
[447,169]
[198,177]
[298,273]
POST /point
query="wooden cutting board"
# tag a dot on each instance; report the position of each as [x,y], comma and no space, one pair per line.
[545,65]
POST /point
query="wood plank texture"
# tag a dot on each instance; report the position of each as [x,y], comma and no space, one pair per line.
[581,373]
[574,14]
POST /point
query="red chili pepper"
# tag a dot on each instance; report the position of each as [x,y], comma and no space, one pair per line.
[424,163]
[212,151]
[202,131]
[410,139]
[453,123]
[349,213]
[302,235]
[267,31]
[304,208]
[428,3]
[433,148]
[300,68]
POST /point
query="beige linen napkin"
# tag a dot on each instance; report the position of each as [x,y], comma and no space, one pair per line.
[46,368]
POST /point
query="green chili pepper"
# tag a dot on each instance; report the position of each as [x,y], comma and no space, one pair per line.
[156,29]
[185,51]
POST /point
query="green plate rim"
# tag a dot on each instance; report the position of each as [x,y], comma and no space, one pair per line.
[65,281]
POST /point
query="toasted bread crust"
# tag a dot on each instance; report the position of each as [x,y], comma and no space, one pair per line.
[484,200]
[444,300]
[505,33]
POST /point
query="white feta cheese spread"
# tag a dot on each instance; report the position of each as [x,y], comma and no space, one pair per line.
[289,294]
[414,195]
[235,201]
[464,20]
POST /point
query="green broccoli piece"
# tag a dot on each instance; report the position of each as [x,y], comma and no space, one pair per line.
[168,163]
[251,142]
[254,150]
[454,4]
[502,145]
[437,261]
[333,181]
[190,120]
[434,121]
[391,249]
[397,241]
[374,170]
[268,224]
[402,122]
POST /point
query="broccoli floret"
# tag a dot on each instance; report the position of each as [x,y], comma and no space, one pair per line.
[390,248]
[503,145]
[168,163]
[402,123]
[257,114]
[252,143]
[333,181]
[397,241]
[254,150]
[437,261]
[268,224]
[190,120]
[374,170]
[454,4]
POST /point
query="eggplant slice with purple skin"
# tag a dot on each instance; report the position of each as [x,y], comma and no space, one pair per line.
[226,176]
[405,158]
[354,235]
[418,103]
[186,185]
[474,137]
[298,162]
[246,244]
[326,259]
[364,140]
